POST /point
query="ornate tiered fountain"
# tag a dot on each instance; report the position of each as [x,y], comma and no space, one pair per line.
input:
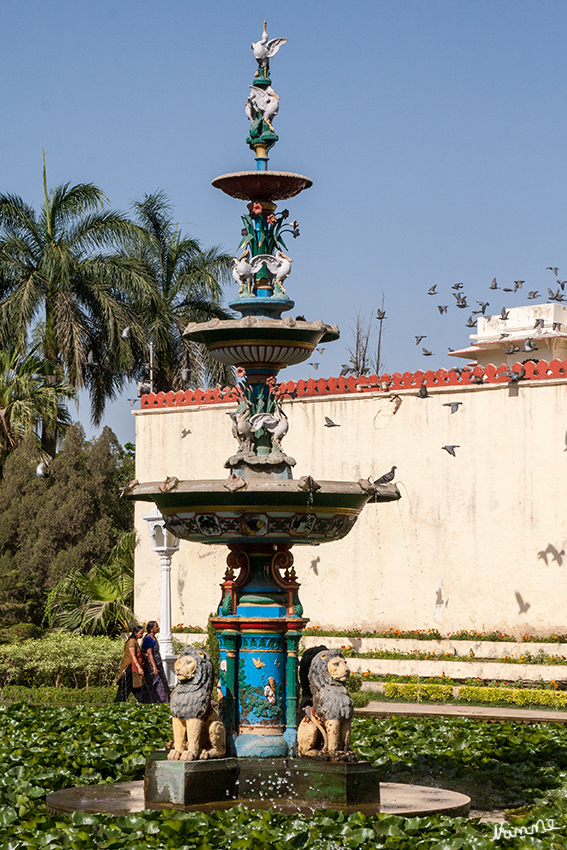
[260,511]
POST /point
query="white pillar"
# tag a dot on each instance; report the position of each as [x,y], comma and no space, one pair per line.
[165,637]
[165,545]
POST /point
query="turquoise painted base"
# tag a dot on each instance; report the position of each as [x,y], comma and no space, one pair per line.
[261,746]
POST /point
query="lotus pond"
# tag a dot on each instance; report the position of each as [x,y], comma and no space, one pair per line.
[44,749]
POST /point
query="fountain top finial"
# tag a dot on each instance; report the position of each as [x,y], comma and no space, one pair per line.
[263,104]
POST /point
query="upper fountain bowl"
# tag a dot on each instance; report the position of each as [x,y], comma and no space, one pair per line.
[262,185]
[260,342]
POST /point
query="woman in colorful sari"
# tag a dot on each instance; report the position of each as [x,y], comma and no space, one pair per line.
[131,676]
[157,689]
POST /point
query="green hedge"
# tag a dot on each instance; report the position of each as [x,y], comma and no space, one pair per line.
[61,659]
[438,693]
[48,695]
[515,696]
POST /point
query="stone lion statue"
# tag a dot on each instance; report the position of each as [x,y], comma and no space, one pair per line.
[198,733]
[324,731]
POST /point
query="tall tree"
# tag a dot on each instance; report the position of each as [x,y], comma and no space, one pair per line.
[67,521]
[62,274]
[100,601]
[187,287]
[28,398]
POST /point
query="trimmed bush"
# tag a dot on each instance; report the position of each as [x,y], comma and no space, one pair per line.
[68,697]
[438,693]
[515,696]
[61,659]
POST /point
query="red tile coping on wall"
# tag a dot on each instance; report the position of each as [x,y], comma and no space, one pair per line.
[455,377]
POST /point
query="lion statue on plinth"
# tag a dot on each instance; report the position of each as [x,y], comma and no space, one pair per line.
[198,733]
[324,732]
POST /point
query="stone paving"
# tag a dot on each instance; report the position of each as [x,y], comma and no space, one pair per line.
[474,712]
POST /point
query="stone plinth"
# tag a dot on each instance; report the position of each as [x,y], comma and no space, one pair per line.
[180,784]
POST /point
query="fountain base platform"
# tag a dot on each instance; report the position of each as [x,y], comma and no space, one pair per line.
[177,784]
[289,786]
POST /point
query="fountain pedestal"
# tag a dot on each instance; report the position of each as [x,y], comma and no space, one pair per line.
[179,785]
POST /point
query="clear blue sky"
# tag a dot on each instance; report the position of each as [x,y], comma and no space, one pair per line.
[435,134]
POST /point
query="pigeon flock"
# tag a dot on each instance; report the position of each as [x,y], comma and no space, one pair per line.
[557,295]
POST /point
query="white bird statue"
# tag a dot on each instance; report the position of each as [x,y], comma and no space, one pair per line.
[275,423]
[284,269]
[264,49]
[242,272]
[265,103]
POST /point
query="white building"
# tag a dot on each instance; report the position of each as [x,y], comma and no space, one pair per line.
[477,541]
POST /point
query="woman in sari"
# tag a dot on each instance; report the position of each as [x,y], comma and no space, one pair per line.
[157,689]
[131,676]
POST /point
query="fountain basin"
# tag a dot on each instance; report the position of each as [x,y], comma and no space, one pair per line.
[272,511]
[259,342]
[262,185]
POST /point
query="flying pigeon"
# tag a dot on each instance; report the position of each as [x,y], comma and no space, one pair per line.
[529,345]
[426,353]
[504,314]
[431,291]
[461,301]
[457,286]
[451,449]
[419,338]
[494,285]
[381,314]
[553,269]
[442,308]
[330,424]
[454,405]
[557,326]
[512,349]
[471,322]
[518,284]
[533,294]
[539,323]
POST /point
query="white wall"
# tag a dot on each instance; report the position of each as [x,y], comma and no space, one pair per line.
[458,551]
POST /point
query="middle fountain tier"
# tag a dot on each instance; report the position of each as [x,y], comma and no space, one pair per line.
[259,510]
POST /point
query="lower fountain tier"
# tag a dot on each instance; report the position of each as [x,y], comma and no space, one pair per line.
[127,798]
[176,784]
[277,511]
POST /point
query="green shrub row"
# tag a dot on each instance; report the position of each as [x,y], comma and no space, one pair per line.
[515,696]
[61,659]
[415,691]
[437,693]
[49,695]
[429,634]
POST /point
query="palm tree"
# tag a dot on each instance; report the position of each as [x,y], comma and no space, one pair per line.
[99,601]
[62,276]
[28,398]
[187,287]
